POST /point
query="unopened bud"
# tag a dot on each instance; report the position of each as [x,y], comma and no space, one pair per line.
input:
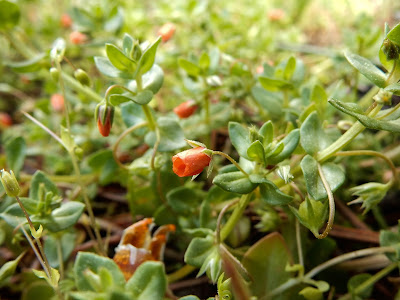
[137,52]
[82,77]
[55,74]
[10,183]
[390,49]
[104,114]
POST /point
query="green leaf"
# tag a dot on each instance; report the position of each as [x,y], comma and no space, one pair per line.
[312,214]
[265,261]
[132,114]
[356,281]
[289,68]
[368,69]
[127,45]
[90,261]
[67,138]
[204,62]
[255,152]
[171,133]
[393,88]
[52,280]
[105,67]
[9,15]
[63,217]
[312,136]
[119,59]
[311,293]
[320,98]
[39,178]
[268,101]
[117,99]
[103,163]
[267,133]
[290,143]
[152,80]
[269,192]
[198,250]
[38,289]
[390,238]
[240,138]
[15,151]
[66,240]
[183,200]
[148,282]
[333,174]
[31,65]
[274,84]
[189,67]
[234,182]
[146,61]
[8,269]
[143,98]
[394,34]
[392,125]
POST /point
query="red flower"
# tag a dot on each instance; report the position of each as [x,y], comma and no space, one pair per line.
[104,116]
[190,162]
[77,37]
[57,102]
[166,31]
[185,109]
[5,120]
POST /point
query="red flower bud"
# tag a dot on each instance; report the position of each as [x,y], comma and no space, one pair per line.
[57,102]
[66,21]
[104,116]
[166,31]
[5,120]
[185,109]
[190,162]
[77,37]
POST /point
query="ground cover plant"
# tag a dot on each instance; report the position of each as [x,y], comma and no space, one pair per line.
[199,150]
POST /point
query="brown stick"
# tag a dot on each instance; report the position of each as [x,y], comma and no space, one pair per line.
[350,215]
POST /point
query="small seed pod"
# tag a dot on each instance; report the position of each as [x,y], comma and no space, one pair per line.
[10,183]
[82,77]
[104,114]
[55,74]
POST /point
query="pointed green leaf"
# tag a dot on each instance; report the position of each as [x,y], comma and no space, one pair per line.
[239,137]
[268,100]
[9,15]
[147,59]
[40,178]
[289,143]
[27,66]
[119,59]
[255,152]
[189,67]
[289,68]
[394,34]
[367,68]
[267,132]
[235,182]
[274,84]
[269,192]
[127,45]
[172,136]
[312,137]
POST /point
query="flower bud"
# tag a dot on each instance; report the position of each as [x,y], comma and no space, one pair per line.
[82,77]
[104,117]
[66,20]
[166,31]
[190,162]
[5,120]
[77,37]
[57,102]
[185,109]
[390,49]
[55,74]
[10,183]
[137,52]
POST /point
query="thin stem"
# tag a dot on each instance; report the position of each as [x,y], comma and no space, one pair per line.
[155,148]
[38,242]
[234,218]
[41,125]
[78,87]
[371,153]
[145,107]
[120,138]
[219,220]
[346,138]
[117,86]
[60,258]
[231,160]
[298,242]
[18,44]
[180,273]
[328,190]
[334,261]
[38,256]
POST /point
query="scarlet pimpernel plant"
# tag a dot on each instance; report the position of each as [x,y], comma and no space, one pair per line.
[180,150]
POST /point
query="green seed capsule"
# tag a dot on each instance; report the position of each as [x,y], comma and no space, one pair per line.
[82,77]
[10,183]
[55,74]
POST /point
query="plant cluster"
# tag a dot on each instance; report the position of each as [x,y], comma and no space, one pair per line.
[107,131]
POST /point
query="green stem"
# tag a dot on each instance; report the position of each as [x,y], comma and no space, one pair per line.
[124,134]
[346,138]
[19,45]
[180,273]
[78,87]
[219,220]
[155,148]
[231,160]
[145,107]
[66,102]
[328,190]
[60,258]
[298,242]
[234,218]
